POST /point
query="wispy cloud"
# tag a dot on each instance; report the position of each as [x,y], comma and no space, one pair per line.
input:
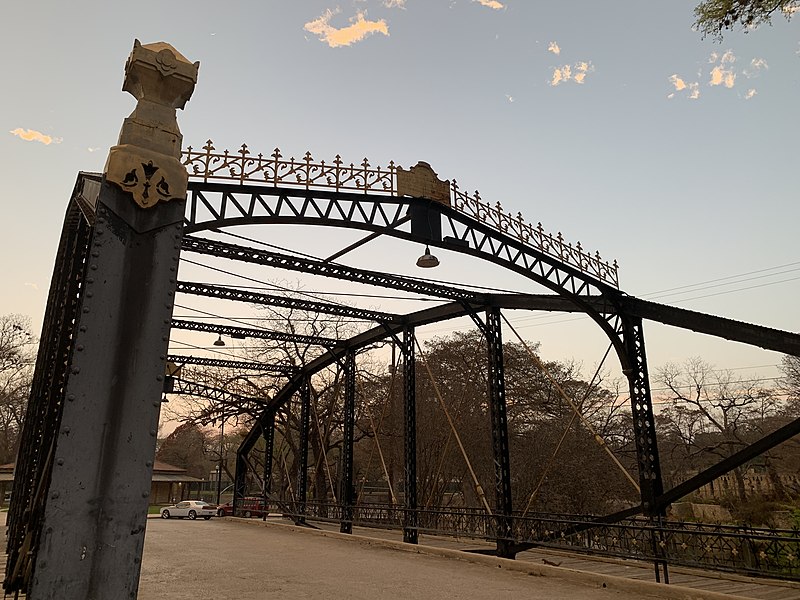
[692,89]
[577,73]
[93,149]
[509,98]
[756,65]
[490,4]
[31,135]
[723,73]
[394,3]
[358,29]
[553,47]
[31,285]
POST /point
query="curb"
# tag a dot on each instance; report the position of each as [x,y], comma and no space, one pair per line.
[597,580]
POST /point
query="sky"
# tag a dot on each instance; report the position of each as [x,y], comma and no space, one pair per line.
[614,123]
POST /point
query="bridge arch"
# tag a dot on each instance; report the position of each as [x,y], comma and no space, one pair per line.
[232,189]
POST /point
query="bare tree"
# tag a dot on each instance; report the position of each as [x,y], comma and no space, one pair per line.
[711,414]
[17,347]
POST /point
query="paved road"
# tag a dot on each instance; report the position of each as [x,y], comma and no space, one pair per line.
[228,558]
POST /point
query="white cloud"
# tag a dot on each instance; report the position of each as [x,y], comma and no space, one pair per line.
[509,98]
[679,83]
[576,72]
[750,93]
[721,76]
[31,285]
[358,29]
[394,3]
[93,149]
[490,4]
[553,47]
[692,89]
[31,135]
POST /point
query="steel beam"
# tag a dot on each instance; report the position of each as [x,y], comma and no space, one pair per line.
[93,533]
[729,464]
[249,332]
[202,361]
[46,401]
[268,431]
[410,518]
[325,268]
[226,293]
[497,407]
[348,489]
[302,475]
[644,428]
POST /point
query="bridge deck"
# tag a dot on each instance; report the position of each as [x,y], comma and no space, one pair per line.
[246,560]
[239,558]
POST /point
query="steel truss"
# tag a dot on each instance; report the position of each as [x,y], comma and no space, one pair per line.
[230,364]
[410,523]
[226,293]
[213,206]
[43,415]
[249,332]
[347,493]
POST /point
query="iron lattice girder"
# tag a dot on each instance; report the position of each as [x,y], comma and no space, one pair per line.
[224,397]
[226,293]
[248,332]
[230,364]
[328,269]
[214,205]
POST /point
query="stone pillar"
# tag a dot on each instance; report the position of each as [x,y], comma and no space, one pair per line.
[94,519]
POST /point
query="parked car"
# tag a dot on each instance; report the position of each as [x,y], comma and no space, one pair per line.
[189,508]
[252,506]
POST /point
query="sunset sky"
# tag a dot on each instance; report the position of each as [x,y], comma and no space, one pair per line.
[614,123]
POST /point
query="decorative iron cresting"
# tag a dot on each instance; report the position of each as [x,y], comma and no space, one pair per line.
[242,166]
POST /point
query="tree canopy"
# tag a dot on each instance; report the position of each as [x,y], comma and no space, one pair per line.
[714,17]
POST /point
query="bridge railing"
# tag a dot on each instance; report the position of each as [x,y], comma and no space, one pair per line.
[240,166]
[738,549]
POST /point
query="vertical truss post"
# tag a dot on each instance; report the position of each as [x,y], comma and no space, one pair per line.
[302,476]
[497,408]
[347,493]
[240,481]
[268,431]
[410,518]
[644,428]
[97,498]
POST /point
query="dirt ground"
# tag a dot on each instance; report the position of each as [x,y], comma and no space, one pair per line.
[191,560]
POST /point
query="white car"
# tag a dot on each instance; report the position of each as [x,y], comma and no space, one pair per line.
[191,509]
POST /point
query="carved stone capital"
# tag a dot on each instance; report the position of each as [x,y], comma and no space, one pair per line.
[146,159]
[420,181]
[149,176]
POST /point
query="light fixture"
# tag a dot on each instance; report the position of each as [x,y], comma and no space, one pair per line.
[219,341]
[427,260]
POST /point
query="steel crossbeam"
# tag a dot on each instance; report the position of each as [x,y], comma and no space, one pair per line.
[249,332]
[177,385]
[226,293]
[327,269]
[230,364]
